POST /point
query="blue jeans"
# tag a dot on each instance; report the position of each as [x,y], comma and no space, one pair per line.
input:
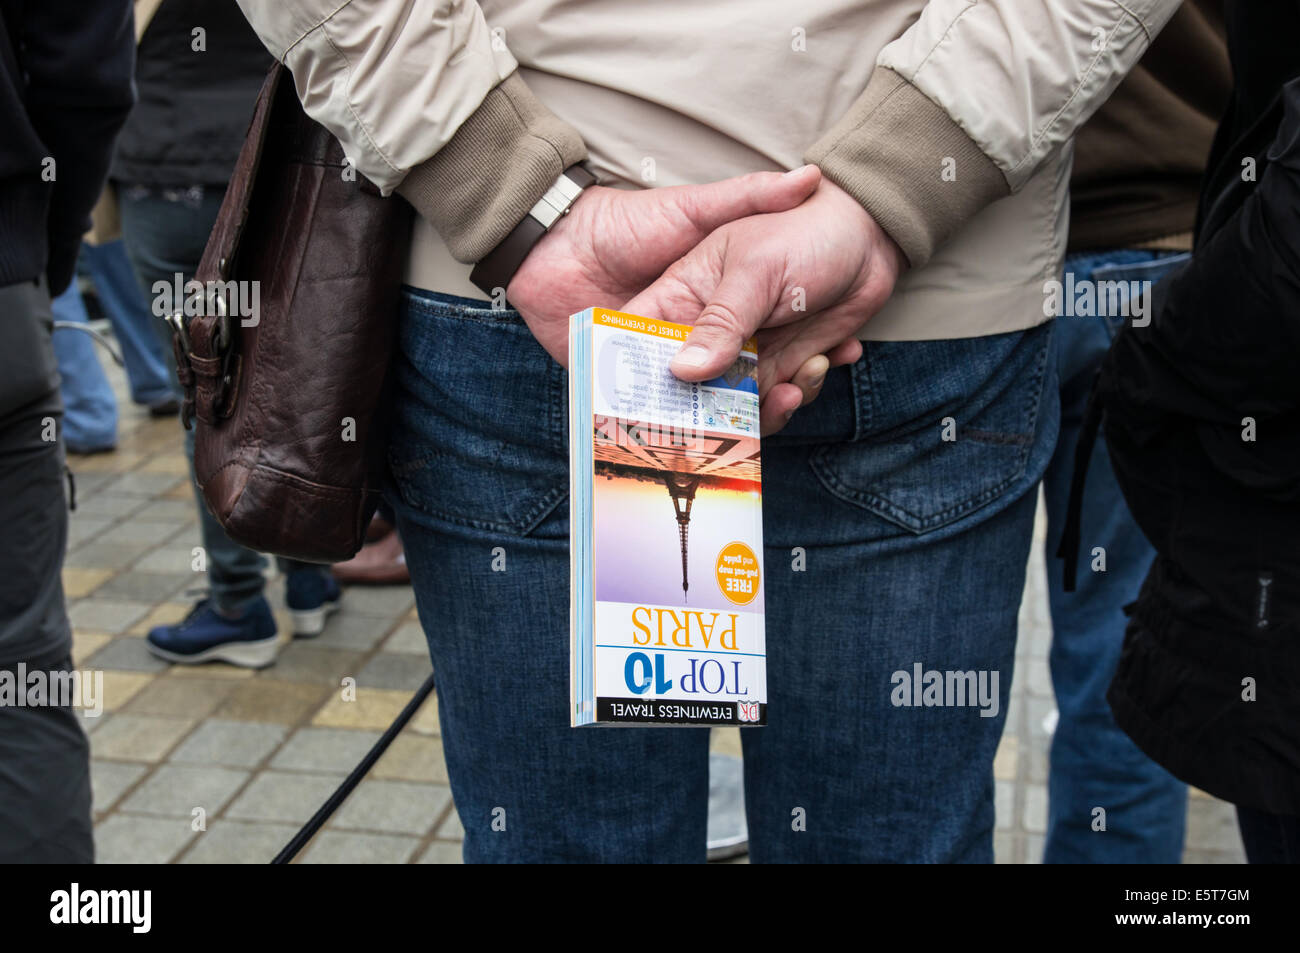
[89,406]
[887,546]
[1093,763]
[133,323]
[165,232]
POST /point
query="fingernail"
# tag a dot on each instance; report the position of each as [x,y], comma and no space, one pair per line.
[800,169]
[691,356]
[790,413]
[817,382]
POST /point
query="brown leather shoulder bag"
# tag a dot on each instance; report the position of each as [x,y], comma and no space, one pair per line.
[284,345]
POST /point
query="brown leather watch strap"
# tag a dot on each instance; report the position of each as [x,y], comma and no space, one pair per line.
[499,265]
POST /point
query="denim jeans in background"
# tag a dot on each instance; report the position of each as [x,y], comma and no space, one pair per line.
[89,406]
[133,322]
[914,551]
[1093,763]
[165,231]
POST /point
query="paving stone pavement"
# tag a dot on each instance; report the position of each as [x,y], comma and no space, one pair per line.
[215,764]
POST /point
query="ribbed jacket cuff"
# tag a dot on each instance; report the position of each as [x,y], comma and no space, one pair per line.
[482,183]
[890,152]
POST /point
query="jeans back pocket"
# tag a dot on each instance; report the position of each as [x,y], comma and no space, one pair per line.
[950,427]
[480,423]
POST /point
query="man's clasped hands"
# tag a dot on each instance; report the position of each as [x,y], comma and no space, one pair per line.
[788,257]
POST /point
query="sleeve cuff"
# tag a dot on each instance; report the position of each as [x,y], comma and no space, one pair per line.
[501,160]
[890,152]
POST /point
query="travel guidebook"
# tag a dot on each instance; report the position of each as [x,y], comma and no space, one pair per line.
[666,531]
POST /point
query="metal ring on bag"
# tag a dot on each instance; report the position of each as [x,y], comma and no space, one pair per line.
[224,338]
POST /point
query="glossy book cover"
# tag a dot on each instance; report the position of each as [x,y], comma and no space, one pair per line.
[666,531]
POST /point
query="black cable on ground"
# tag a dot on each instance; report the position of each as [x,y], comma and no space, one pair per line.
[352,780]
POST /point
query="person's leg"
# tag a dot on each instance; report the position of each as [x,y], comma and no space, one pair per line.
[898,512]
[1094,765]
[311,594]
[44,756]
[90,409]
[479,463]
[133,323]
[165,234]
[1269,838]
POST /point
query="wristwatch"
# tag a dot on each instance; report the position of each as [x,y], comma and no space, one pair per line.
[500,264]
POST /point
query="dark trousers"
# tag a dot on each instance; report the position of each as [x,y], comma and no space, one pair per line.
[1269,838]
[44,755]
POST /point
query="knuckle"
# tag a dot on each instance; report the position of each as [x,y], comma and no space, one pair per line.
[719,316]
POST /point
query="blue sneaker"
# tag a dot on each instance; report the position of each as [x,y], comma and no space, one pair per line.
[207,636]
[311,596]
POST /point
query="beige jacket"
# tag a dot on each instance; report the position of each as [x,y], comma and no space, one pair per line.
[951,119]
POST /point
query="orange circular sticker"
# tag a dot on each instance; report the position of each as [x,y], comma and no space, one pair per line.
[737,572]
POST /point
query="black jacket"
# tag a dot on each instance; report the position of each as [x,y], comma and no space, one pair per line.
[196,95]
[65,88]
[1202,421]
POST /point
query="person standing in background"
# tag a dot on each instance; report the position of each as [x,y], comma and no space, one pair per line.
[65,90]
[1133,192]
[199,68]
[89,405]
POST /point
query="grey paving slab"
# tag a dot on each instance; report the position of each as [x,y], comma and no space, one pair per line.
[110,779]
[1034,848]
[142,531]
[104,553]
[1004,803]
[1212,825]
[383,601]
[408,639]
[169,511]
[356,632]
[128,653]
[137,737]
[451,828]
[1008,848]
[1035,820]
[351,847]
[89,721]
[147,485]
[175,790]
[174,559]
[306,660]
[89,482]
[100,505]
[405,672]
[134,839]
[142,586]
[442,852]
[239,842]
[85,529]
[324,750]
[1195,856]
[399,807]
[107,615]
[238,744]
[1039,678]
[282,796]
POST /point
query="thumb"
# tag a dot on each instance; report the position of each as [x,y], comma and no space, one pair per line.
[735,310]
[716,203]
